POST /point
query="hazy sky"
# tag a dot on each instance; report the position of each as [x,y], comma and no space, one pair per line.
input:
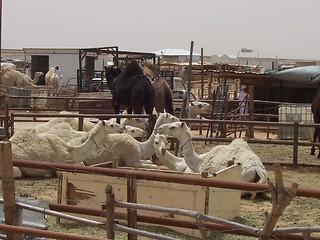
[282,28]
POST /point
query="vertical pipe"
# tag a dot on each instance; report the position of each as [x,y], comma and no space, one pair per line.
[1,88]
[190,71]
[251,110]
[202,72]
[295,144]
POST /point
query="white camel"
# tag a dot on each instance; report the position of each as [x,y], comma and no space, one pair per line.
[7,66]
[14,78]
[218,157]
[197,108]
[74,137]
[171,161]
[127,151]
[52,82]
[28,144]
[51,78]
[146,147]
[73,122]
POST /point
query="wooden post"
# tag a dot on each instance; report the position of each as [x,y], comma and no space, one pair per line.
[132,213]
[80,124]
[210,86]
[190,70]
[12,213]
[281,198]
[12,124]
[202,72]
[110,212]
[251,110]
[7,121]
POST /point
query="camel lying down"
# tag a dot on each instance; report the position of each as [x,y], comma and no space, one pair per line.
[49,147]
[219,156]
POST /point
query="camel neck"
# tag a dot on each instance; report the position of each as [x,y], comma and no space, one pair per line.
[193,160]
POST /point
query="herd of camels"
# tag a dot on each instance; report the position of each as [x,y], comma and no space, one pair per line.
[11,77]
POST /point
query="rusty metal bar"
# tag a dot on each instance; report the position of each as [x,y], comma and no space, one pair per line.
[168,222]
[43,233]
[158,176]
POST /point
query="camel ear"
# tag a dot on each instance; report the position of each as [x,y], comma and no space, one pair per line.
[103,122]
[182,124]
[124,127]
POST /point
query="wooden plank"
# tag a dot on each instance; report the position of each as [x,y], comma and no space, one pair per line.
[78,190]
[225,203]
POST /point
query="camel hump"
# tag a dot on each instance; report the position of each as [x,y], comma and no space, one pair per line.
[132,69]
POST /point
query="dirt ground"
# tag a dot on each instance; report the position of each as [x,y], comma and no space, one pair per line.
[301,212]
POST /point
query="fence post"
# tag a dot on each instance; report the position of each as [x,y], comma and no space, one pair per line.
[295,143]
[12,213]
[80,123]
[132,213]
[251,111]
[110,212]
[12,124]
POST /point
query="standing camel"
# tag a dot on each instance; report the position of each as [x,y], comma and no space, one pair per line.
[52,80]
[132,90]
[162,91]
[315,109]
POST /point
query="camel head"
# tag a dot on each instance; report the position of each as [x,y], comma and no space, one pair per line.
[175,129]
[135,132]
[150,70]
[104,127]
[167,118]
[160,142]
[164,118]
[109,126]
[38,74]
[111,73]
[137,122]
[200,107]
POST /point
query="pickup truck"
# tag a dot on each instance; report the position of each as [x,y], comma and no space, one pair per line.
[180,94]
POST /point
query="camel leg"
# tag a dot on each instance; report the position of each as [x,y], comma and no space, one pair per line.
[116,108]
[129,110]
[142,164]
[318,136]
[146,161]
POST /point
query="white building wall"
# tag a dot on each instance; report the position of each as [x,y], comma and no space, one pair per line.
[68,64]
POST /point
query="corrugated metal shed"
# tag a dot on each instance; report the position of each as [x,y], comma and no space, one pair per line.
[66,59]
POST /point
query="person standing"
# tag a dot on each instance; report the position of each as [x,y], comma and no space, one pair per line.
[28,70]
[243,100]
[58,72]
